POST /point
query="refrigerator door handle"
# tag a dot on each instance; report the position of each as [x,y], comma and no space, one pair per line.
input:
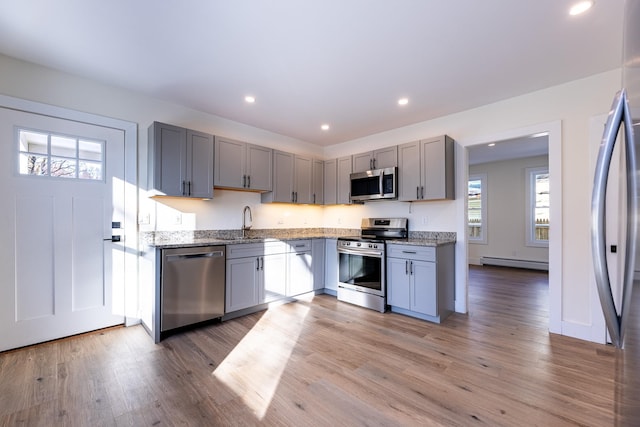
[616,321]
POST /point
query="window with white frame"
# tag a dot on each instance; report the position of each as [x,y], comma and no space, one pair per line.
[537,206]
[46,154]
[477,209]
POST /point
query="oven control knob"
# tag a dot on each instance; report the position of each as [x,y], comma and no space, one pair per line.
[359,244]
[370,245]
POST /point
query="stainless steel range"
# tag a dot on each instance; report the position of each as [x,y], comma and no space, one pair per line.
[361,262]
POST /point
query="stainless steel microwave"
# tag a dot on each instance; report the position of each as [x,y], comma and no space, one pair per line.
[377,184]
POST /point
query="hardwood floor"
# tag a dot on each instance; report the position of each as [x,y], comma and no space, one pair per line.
[323,362]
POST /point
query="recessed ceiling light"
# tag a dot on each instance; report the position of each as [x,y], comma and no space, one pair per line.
[250,99]
[324,127]
[403,101]
[581,7]
[493,144]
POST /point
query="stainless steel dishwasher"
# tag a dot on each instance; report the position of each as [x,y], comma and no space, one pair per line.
[192,285]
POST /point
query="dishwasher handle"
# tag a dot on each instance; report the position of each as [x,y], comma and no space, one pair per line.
[214,254]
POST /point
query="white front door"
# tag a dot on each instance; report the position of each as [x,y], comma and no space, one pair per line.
[62,190]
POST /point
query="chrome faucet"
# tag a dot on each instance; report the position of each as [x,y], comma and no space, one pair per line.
[244,215]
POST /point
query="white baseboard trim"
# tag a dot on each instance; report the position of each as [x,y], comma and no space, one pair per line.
[583,331]
[517,263]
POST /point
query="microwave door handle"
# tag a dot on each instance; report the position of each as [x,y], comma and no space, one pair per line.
[381,184]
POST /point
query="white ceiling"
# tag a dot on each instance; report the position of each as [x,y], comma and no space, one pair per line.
[342,62]
[516,148]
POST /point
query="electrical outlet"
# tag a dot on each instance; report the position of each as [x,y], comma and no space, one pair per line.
[144,218]
[280,221]
[177,219]
[424,220]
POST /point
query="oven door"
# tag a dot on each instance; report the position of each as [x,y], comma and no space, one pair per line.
[362,270]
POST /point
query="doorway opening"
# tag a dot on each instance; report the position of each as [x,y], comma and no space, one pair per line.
[496,233]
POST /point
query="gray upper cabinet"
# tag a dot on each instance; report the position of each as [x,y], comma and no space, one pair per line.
[330,181]
[317,184]
[426,170]
[378,159]
[242,166]
[180,161]
[303,178]
[292,179]
[343,184]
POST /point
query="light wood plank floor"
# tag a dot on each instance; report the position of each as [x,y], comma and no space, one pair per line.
[323,362]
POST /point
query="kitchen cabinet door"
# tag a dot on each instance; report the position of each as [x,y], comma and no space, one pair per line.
[362,162]
[317,186]
[398,286]
[330,181]
[377,159]
[230,163]
[258,167]
[318,263]
[331,265]
[343,184]
[300,277]
[199,164]
[302,179]
[385,157]
[282,178]
[242,283]
[180,161]
[438,168]
[167,159]
[424,291]
[409,171]
[274,276]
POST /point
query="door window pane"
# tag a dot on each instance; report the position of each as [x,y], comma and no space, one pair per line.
[59,156]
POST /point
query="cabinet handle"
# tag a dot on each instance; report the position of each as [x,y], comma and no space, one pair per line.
[417,192]
[406,267]
[422,192]
[244,181]
[314,198]
[184,183]
[296,197]
[409,252]
[374,163]
[262,263]
[411,267]
[189,185]
[258,264]
[248,181]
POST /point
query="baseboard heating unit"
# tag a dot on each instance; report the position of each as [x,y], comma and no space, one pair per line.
[516,263]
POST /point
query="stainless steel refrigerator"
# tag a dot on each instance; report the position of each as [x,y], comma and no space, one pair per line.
[620,300]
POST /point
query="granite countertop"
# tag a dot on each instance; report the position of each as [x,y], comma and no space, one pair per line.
[183,239]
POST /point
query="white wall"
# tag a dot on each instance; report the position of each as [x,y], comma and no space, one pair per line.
[506,211]
[572,104]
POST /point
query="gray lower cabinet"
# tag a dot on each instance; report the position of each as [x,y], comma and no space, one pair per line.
[318,263]
[299,268]
[259,273]
[331,266]
[256,273]
[421,280]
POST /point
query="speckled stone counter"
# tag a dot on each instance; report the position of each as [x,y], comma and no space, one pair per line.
[177,239]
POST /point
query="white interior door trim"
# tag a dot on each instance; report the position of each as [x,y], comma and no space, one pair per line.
[555,241]
[130,230]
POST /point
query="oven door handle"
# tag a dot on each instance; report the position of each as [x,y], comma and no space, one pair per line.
[377,254]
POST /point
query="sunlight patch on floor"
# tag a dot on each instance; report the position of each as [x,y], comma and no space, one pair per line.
[257,382]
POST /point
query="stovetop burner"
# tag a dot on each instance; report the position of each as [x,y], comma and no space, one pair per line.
[377,230]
